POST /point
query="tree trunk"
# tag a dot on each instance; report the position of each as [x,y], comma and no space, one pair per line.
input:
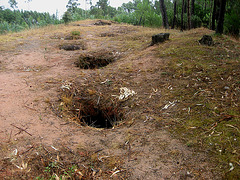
[174,14]
[214,14]
[219,29]
[210,17]
[218,4]
[140,21]
[192,7]
[192,12]
[164,14]
[205,6]
[185,7]
[182,15]
[189,15]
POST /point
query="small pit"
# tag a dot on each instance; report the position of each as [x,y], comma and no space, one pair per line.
[107,35]
[88,107]
[72,47]
[90,114]
[96,60]
[102,23]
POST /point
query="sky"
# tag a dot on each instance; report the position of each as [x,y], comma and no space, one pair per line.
[52,6]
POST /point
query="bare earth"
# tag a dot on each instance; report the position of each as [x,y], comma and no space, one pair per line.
[31,76]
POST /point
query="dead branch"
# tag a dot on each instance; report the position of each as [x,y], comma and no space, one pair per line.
[28,150]
[129,151]
[30,108]
[10,136]
[21,129]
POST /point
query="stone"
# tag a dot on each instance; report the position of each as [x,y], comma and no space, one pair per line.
[160,38]
[206,40]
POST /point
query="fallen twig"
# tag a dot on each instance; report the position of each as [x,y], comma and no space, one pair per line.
[129,151]
[28,150]
[115,173]
[10,136]
[46,149]
[98,150]
[21,129]
[229,125]
[55,111]
[30,108]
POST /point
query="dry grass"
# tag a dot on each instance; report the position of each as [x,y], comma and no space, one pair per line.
[61,162]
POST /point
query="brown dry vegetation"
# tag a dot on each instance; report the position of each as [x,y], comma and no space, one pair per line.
[182,123]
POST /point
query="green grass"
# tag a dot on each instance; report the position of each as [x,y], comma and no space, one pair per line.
[206,84]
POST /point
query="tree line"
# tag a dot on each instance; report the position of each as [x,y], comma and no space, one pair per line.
[16,20]
[219,15]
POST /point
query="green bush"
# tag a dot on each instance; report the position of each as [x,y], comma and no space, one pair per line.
[232,24]
[196,21]
[75,33]
[67,17]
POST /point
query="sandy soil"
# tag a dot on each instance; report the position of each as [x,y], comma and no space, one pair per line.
[31,77]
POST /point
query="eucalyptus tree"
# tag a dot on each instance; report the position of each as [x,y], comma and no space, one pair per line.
[13,3]
[103,4]
[72,6]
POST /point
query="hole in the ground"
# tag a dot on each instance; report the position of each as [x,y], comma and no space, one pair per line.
[102,23]
[72,47]
[95,60]
[89,107]
[93,115]
[107,34]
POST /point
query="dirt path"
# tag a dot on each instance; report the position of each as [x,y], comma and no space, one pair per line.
[31,78]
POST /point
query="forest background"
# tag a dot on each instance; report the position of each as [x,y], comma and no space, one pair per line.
[219,15]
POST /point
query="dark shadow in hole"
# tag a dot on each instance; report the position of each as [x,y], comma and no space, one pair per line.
[70,47]
[95,116]
[91,62]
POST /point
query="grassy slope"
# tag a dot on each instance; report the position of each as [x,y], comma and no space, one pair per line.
[206,86]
